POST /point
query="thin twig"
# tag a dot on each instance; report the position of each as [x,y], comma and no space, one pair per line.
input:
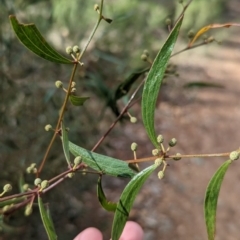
[117,119]
[152,158]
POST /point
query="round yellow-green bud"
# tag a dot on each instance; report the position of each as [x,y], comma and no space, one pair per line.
[160,174]
[145,51]
[33,165]
[160,139]
[59,84]
[178,157]
[48,127]
[190,34]
[73,90]
[77,160]
[69,50]
[76,49]
[44,184]
[29,170]
[96,7]
[133,119]
[37,181]
[25,187]
[168,21]
[5,208]
[158,161]
[7,188]
[234,155]
[134,146]
[73,84]
[172,142]
[71,174]
[144,57]
[155,152]
[28,210]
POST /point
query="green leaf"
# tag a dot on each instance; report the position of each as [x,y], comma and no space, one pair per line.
[105,164]
[65,143]
[153,83]
[47,221]
[124,87]
[211,198]
[126,201]
[31,38]
[202,85]
[77,101]
[107,205]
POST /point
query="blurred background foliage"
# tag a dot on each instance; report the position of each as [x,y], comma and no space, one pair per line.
[29,99]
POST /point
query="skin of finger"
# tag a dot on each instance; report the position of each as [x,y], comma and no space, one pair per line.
[89,234]
[132,231]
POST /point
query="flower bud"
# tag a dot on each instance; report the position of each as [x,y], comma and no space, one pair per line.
[96,7]
[172,142]
[73,84]
[71,174]
[158,161]
[7,188]
[69,50]
[134,146]
[144,57]
[48,127]
[168,21]
[133,119]
[160,139]
[59,84]
[190,34]
[77,160]
[37,181]
[44,184]
[25,187]
[161,175]
[234,155]
[28,210]
[178,157]
[155,152]
[145,51]
[76,49]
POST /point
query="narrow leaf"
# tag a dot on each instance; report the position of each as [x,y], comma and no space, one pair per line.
[126,201]
[154,80]
[124,87]
[206,28]
[107,205]
[47,222]
[211,198]
[105,164]
[65,143]
[31,38]
[77,101]
[202,85]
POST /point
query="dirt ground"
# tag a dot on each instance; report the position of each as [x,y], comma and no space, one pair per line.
[204,121]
